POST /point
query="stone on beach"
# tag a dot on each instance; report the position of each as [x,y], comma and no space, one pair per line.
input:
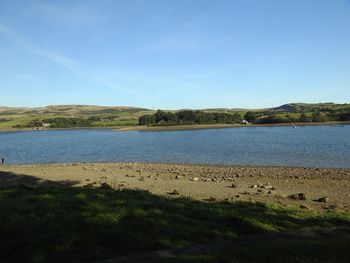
[304,206]
[174,192]
[299,196]
[324,199]
[105,185]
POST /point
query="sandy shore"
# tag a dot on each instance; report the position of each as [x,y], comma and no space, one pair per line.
[201,182]
[221,126]
[181,127]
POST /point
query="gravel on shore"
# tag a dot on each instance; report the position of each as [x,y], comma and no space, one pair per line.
[307,188]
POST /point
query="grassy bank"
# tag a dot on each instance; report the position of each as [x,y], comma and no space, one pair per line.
[79,116]
[98,116]
[131,127]
[220,126]
[71,224]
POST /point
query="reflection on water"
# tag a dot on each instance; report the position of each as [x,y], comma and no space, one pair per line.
[321,146]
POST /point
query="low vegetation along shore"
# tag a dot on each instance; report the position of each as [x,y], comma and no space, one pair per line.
[85,116]
[128,212]
[222,126]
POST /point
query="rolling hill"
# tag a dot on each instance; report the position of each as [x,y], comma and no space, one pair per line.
[110,116]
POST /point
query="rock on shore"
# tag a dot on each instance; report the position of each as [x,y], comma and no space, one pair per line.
[307,187]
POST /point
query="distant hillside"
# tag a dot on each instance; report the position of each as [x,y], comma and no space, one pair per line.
[110,116]
[303,107]
[78,110]
[99,116]
[87,110]
[289,107]
[287,113]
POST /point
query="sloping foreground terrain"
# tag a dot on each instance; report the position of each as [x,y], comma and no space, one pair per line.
[46,220]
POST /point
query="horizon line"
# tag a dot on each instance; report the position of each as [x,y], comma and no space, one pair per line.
[160,108]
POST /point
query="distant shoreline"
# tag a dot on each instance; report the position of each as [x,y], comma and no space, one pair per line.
[182,127]
[222,126]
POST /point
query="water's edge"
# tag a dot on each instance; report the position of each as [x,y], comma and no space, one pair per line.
[306,146]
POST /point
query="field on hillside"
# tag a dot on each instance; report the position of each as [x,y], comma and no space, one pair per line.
[103,116]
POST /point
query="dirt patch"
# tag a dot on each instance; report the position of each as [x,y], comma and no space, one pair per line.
[200,182]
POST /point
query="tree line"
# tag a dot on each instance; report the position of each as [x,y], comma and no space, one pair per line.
[269,118]
[163,118]
[67,122]
[58,123]
[188,117]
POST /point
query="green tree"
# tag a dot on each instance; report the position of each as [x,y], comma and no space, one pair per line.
[345,116]
[162,116]
[35,123]
[147,120]
[250,116]
[304,118]
[318,117]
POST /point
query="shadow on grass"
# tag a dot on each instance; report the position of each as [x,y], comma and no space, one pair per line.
[8,179]
[52,222]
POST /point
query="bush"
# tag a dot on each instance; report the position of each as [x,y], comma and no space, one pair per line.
[345,116]
[147,120]
[35,124]
[68,122]
[188,117]
[250,116]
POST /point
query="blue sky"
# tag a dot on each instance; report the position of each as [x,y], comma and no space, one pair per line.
[173,54]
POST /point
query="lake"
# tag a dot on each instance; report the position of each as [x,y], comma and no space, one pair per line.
[308,146]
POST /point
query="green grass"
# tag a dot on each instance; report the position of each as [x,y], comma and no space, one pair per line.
[276,249]
[293,114]
[24,120]
[130,122]
[129,116]
[66,224]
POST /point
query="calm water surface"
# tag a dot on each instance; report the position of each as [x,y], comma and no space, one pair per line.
[321,146]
